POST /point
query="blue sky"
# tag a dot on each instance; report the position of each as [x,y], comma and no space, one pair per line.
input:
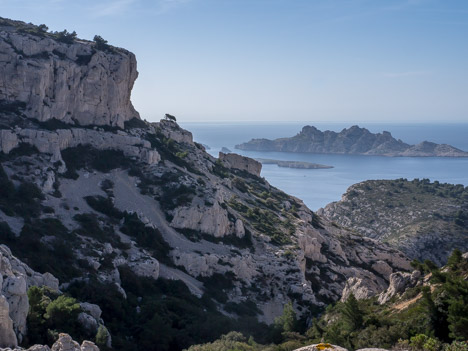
[281,60]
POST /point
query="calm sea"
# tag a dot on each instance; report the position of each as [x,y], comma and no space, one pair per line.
[318,187]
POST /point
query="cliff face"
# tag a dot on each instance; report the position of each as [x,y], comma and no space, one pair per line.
[74,83]
[354,140]
[425,220]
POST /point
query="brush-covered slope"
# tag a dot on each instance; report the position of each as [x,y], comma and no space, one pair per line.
[423,219]
[175,246]
[353,140]
[425,310]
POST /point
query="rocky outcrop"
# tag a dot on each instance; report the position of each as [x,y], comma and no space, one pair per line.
[399,282]
[171,130]
[211,220]
[241,162]
[360,288]
[7,333]
[72,82]
[353,140]
[424,220]
[64,343]
[52,142]
[15,279]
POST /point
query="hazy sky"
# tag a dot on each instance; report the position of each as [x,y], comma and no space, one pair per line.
[281,60]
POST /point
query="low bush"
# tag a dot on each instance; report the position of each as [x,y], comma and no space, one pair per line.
[89,158]
[147,237]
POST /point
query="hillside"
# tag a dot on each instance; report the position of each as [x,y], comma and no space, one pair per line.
[143,229]
[353,140]
[424,220]
[425,310]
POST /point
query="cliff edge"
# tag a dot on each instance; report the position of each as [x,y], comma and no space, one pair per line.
[52,76]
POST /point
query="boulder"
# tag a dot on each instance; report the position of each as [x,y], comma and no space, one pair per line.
[360,288]
[399,282]
[315,348]
[91,309]
[65,343]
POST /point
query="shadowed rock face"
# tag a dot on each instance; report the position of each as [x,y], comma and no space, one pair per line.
[354,140]
[73,83]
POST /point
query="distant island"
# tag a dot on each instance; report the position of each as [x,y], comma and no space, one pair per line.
[354,140]
[292,164]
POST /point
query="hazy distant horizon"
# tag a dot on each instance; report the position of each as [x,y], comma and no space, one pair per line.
[332,60]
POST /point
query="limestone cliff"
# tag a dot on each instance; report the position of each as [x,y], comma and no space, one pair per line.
[71,82]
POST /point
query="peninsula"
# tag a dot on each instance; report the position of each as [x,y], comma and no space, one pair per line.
[354,140]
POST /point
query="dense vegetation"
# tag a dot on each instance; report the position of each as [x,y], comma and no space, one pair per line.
[51,313]
[159,314]
[431,317]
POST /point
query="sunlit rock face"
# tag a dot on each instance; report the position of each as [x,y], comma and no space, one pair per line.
[74,83]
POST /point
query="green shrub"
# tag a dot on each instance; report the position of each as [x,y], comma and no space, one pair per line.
[104,205]
[457,346]
[65,36]
[89,158]
[101,43]
[50,314]
[101,336]
[63,312]
[147,237]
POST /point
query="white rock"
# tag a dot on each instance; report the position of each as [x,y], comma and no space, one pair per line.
[7,334]
[94,93]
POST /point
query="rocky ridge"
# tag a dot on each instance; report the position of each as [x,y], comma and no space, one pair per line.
[353,140]
[423,219]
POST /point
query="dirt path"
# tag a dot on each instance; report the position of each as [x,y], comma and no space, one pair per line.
[405,304]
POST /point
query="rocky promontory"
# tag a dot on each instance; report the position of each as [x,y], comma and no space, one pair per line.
[353,140]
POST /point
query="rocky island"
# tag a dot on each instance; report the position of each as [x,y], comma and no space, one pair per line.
[292,164]
[353,140]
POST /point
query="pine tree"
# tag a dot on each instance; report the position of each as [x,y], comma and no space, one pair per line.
[352,314]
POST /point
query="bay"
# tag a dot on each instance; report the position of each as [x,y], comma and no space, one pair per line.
[318,187]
